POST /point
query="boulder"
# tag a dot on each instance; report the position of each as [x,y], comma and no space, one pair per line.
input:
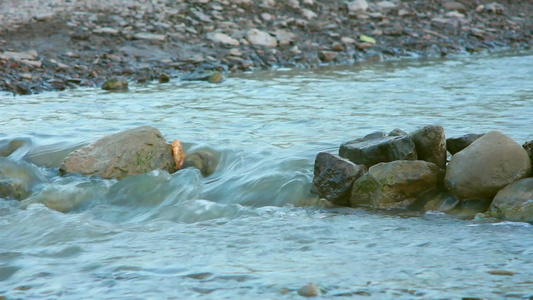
[515,201]
[334,177]
[430,142]
[454,145]
[398,184]
[261,38]
[115,83]
[486,166]
[377,147]
[120,155]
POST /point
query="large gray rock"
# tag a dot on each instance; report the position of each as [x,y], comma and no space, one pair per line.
[126,153]
[334,177]
[430,142]
[377,147]
[398,184]
[486,166]
[454,145]
[515,201]
[261,38]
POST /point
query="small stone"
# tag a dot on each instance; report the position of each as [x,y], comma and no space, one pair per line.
[403,13]
[397,132]
[357,6]
[337,47]
[348,40]
[216,78]
[386,5]
[18,56]
[285,37]
[115,83]
[164,78]
[494,8]
[309,290]
[294,50]
[261,38]
[327,56]
[106,30]
[150,36]
[266,16]
[223,38]
[308,14]
[501,272]
[452,5]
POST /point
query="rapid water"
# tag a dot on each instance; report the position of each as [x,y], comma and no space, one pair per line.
[252,229]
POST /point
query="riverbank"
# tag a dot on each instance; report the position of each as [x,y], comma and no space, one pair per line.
[68,44]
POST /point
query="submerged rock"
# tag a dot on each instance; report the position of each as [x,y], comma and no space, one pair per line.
[309,290]
[377,147]
[120,155]
[515,201]
[19,179]
[441,201]
[430,142]
[205,161]
[454,145]
[116,83]
[334,177]
[487,165]
[398,184]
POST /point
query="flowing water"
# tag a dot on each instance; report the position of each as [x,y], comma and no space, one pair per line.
[253,229]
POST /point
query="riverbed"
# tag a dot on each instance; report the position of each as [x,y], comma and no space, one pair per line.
[252,229]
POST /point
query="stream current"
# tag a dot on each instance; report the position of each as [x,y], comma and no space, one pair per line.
[252,229]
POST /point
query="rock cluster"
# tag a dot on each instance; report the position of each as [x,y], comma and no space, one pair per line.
[487,172]
[88,42]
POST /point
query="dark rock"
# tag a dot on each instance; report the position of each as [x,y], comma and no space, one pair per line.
[376,148]
[514,202]
[164,78]
[486,166]
[441,201]
[115,83]
[528,146]
[205,161]
[134,151]
[334,177]
[454,145]
[397,184]
[22,89]
[397,132]
[430,142]
[327,56]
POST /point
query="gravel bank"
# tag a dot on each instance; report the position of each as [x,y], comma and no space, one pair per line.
[59,44]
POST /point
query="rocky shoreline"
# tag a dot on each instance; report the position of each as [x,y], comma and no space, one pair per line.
[488,174]
[62,46]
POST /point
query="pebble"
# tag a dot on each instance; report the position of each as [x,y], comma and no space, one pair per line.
[309,290]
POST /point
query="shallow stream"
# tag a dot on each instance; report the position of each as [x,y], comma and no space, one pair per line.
[252,229]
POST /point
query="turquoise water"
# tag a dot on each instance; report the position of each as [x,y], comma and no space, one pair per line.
[252,229]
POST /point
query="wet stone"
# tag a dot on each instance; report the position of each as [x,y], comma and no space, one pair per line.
[515,201]
[116,83]
[376,148]
[430,142]
[334,177]
[454,145]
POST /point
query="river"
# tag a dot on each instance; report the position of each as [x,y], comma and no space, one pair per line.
[253,229]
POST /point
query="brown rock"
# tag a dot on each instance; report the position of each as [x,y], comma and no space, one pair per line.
[334,177]
[134,151]
[398,184]
[514,202]
[327,56]
[430,142]
[486,166]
